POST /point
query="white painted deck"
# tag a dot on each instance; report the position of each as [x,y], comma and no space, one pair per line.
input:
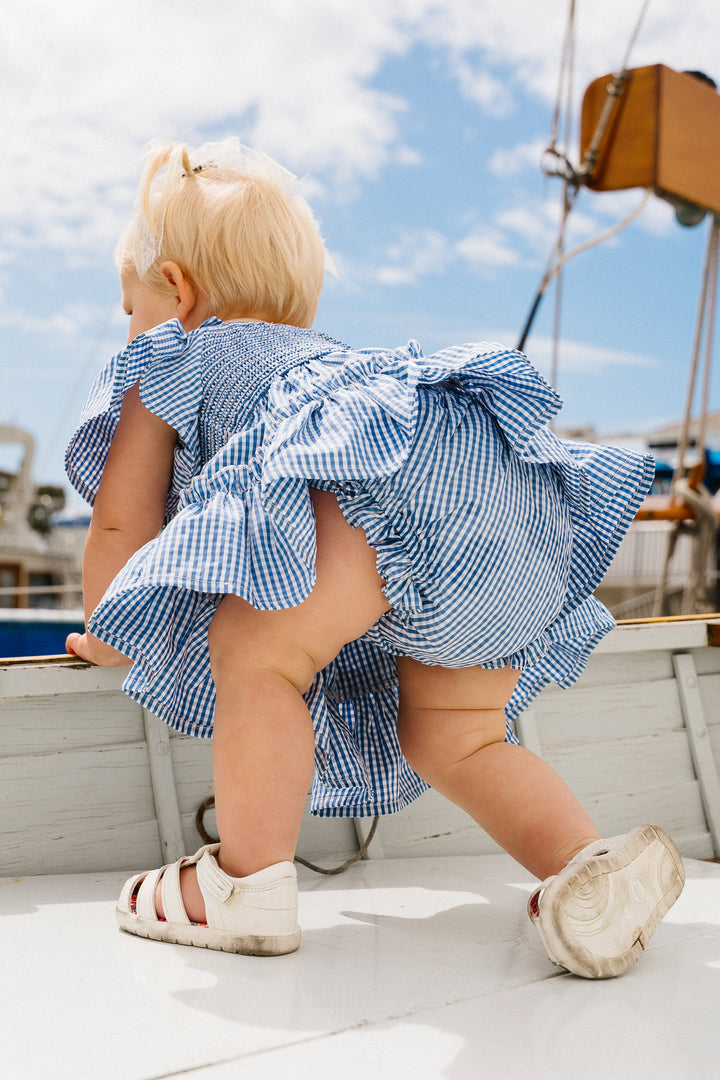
[422,967]
[419,961]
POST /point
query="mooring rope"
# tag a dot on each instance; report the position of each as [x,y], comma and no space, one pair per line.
[208,803]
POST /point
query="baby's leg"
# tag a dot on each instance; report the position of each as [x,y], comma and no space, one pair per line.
[262,663]
[452,729]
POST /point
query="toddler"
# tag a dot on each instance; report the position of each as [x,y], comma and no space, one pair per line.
[351,568]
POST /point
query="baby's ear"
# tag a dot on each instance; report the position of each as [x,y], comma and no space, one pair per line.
[182,287]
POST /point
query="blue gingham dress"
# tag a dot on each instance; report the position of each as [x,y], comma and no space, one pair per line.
[490,533]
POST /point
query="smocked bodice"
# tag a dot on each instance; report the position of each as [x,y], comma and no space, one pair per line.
[237,370]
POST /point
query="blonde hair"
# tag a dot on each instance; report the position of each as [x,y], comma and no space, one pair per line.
[244,239]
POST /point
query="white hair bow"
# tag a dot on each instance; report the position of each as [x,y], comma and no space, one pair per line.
[231,154]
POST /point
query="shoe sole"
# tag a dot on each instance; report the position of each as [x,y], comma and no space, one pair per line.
[597,920]
[203,937]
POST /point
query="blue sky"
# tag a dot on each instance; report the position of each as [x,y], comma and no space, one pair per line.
[417,126]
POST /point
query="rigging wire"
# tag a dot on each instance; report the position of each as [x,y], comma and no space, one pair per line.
[709,336]
[569,66]
[558,258]
[705,319]
[574,178]
[688,490]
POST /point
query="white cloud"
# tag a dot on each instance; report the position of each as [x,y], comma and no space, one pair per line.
[68,322]
[415,255]
[482,88]
[580,356]
[522,234]
[37,324]
[656,218]
[524,39]
[518,159]
[84,91]
[535,223]
[421,253]
[487,248]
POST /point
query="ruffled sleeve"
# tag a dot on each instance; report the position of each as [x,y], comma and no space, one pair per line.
[166,363]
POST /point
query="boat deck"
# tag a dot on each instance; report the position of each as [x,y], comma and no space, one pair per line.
[425,965]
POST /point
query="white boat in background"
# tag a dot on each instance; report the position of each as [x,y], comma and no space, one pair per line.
[40,567]
[419,957]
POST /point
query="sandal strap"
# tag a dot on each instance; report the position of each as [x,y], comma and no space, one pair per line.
[172,900]
[211,878]
[145,899]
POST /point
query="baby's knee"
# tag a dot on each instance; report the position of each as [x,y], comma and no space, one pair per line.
[436,742]
[244,646]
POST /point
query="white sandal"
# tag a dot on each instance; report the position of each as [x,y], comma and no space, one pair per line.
[598,914]
[254,915]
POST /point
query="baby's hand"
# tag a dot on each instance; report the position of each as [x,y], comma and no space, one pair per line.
[90,648]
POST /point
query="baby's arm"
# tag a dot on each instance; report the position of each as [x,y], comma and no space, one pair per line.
[129,511]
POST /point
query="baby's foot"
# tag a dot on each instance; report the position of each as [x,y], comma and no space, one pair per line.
[597,915]
[200,904]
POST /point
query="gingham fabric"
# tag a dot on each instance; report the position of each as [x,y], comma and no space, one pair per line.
[490,533]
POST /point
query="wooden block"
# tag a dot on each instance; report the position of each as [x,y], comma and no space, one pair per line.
[664,133]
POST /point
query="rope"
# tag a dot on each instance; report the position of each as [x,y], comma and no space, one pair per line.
[707,293]
[705,523]
[208,803]
[573,178]
[353,858]
[614,91]
[568,194]
[564,81]
[709,335]
[558,259]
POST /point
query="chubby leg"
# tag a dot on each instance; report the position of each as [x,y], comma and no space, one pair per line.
[262,663]
[452,729]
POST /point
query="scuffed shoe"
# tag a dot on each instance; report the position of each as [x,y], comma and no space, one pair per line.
[598,914]
[254,915]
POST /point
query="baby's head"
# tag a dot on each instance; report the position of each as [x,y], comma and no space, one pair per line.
[232,222]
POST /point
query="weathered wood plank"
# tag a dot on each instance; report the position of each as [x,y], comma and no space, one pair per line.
[192,765]
[700,747]
[433,826]
[57,677]
[63,790]
[50,850]
[707,661]
[714,736]
[677,807]
[641,637]
[68,721]
[162,775]
[709,687]
[622,750]
[620,668]
[588,714]
[528,732]
[624,765]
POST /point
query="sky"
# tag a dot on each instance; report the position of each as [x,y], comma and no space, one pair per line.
[417,128]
